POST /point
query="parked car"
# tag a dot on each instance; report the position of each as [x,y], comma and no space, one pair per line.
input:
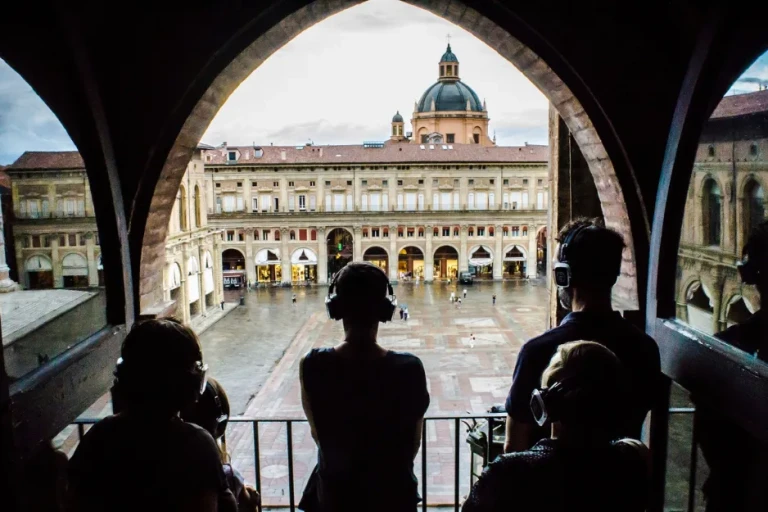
[466,278]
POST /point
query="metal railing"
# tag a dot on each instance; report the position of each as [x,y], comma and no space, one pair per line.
[456,421]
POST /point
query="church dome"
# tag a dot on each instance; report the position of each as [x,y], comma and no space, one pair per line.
[449,95]
[397,118]
[449,56]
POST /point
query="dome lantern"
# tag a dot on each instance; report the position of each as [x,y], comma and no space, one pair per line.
[449,65]
[397,127]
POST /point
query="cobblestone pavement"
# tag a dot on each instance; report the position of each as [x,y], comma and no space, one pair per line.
[256,350]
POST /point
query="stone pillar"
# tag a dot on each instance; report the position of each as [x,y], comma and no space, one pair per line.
[393,252]
[201,277]
[218,277]
[429,260]
[531,267]
[250,262]
[500,194]
[90,253]
[356,194]
[284,198]
[463,256]
[184,293]
[498,254]
[392,184]
[21,262]
[463,194]
[322,257]
[52,206]
[428,194]
[87,201]
[320,194]
[6,284]
[58,279]
[357,243]
[247,203]
[285,258]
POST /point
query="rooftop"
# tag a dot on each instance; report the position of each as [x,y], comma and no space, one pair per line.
[32,160]
[388,153]
[741,105]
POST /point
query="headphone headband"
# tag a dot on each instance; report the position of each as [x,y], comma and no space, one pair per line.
[336,308]
[569,240]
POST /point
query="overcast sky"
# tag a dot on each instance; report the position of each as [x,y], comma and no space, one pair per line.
[339,82]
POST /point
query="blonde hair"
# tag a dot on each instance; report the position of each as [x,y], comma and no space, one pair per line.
[581,357]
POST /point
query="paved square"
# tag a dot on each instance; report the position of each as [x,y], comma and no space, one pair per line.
[255,353]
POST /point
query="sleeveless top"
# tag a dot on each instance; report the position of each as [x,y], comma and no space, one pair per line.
[365,415]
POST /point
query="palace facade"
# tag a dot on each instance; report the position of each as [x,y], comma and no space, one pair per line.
[726,199]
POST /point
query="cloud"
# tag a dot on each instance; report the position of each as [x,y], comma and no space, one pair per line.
[26,123]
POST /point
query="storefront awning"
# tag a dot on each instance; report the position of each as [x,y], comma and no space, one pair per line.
[481,257]
[514,254]
[304,257]
[268,257]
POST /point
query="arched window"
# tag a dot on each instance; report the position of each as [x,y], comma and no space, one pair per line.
[755,206]
[421,232]
[313,235]
[183,208]
[292,235]
[436,232]
[490,231]
[198,208]
[256,234]
[277,235]
[455,231]
[712,208]
[525,230]
[365,233]
[471,232]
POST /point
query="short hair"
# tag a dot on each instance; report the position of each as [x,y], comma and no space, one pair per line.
[757,244]
[594,254]
[360,286]
[205,413]
[596,369]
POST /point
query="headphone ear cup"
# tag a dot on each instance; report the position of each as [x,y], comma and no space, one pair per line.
[387,310]
[334,308]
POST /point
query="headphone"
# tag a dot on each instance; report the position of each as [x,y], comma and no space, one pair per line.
[130,377]
[749,270]
[221,417]
[336,310]
[563,274]
[550,403]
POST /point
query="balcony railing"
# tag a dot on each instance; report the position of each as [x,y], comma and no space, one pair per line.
[53,215]
[238,427]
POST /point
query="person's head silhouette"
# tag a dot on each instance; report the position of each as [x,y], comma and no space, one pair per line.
[754,265]
[587,264]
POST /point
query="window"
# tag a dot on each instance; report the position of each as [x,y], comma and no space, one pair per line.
[476,138]
[506,182]
[540,201]
[312,203]
[311,183]
[505,231]
[492,181]
[363,182]
[525,230]
[290,184]
[364,202]
[365,233]
[755,206]
[400,201]
[471,181]
[434,182]
[230,236]
[455,182]
[490,231]
[411,231]
[455,231]
[492,200]
[385,232]
[255,234]
[292,235]
[471,232]
[241,237]
[753,149]
[275,183]
[349,183]
[421,232]
[421,182]
[400,233]
[711,150]
[712,199]
[72,240]
[313,235]
[375,232]
[540,182]
[436,232]
[277,235]
[421,202]
[446,231]
[456,205]
[254,183]
[240,205]
[302,202]
[471,201]
[232,156]
[254,204]
[25,242]
[327,183]
[480,231]
[525,181]
[218,185]
[62,241]
[350,203]
[265,234]
[291,202]
[424,139]
[399,183]
[450,138]
[277,205]
[239,184]
[515,231]
[384,183]
[81,240]
[35,240]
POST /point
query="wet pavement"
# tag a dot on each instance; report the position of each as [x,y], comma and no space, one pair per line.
[255,351]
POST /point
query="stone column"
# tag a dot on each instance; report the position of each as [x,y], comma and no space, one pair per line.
[428,194]
[499,193]
[87,200]
[247,203]
[429,260]
[6,284]
[58,279]
[463,193]
[357,243]
[320,193]
[285,258]
[392,185]
[498,256]
[52,206]
[322,257]
[250,262]
[90,253]
[392,252]
[463,256]
[356,194]
[218,277]
[184,293]
[531,266]
[21,262]
[284,197]
[201,277]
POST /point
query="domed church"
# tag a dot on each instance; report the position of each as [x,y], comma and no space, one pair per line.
[449,111]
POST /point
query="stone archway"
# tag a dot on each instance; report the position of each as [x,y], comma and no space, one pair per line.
[410,263]
[378,256]
[446,262]
[340,242]
[251,55]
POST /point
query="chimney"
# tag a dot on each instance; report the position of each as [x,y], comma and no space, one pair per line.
[282,155]
[321,152]
[224,144]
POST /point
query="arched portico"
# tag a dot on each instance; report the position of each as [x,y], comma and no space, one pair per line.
[446,262]
[304,265]
[39,270]
[378,256]
[410,263]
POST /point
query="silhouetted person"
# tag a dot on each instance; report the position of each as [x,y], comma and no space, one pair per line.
[732,454]
[587,266]
[211,412]
[145,457]
[581,466]
[365,405]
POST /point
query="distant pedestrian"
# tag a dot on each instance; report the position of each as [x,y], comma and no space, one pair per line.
[453,297]
[222,305]
[293,299]
[405,315]
[402,313]
[465,293]
[471,340]
[459,303]
[494,299]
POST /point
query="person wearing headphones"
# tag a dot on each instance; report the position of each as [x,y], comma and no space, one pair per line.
[365,404]
[587,266]
[145,457]
[211,412]
[583,465]
[733,455]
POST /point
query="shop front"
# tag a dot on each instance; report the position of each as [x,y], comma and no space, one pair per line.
[268,269]
[446,263]
[303,266]
[74,269]
[377,256]
[39,272]
[481,262]
[233,279]
[514,262]
[410,264]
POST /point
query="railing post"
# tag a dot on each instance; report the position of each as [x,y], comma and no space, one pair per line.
[289,440]
[256,455]
[424,465]
[456,424]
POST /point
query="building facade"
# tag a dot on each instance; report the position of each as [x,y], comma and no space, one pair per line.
[726,199]
[56,240]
